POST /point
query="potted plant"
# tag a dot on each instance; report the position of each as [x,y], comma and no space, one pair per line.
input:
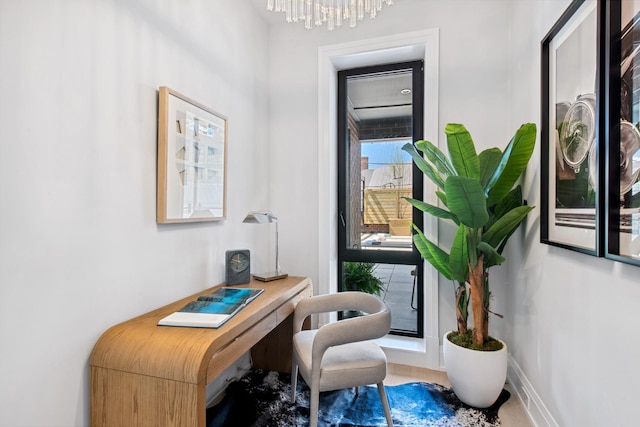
[479,195]
[358,276]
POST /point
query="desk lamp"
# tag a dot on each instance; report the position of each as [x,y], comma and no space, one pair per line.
[266,218]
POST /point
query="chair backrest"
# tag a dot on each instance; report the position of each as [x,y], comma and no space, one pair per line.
[375,323]
[361,301]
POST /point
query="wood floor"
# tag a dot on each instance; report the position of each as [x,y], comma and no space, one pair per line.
[512,413]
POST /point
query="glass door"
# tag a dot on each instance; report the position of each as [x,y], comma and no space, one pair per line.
[380,109]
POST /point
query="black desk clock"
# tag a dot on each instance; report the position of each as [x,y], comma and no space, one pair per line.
[237,267]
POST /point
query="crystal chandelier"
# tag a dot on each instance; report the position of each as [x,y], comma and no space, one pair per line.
[333,12]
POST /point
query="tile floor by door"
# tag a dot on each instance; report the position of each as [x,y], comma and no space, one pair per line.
[400,293]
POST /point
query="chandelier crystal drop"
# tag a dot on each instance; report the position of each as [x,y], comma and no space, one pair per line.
[333,12]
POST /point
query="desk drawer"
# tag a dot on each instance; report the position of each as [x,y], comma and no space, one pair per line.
[287,308]
[226,356]
[274,352]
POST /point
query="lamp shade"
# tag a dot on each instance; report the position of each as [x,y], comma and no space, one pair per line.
[260,218]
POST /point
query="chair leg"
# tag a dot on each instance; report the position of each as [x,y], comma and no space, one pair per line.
[313,407]
[385,404]
[294,380]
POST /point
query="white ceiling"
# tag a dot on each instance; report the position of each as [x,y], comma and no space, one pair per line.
[271,17]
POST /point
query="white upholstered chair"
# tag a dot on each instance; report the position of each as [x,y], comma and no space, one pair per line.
[341,354]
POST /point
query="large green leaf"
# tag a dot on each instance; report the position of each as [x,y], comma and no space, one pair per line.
[437,157]
[442,197]
[514,199]
[423,165]
[511,201]
[503,227]
[435,256]
[506,204]
[513,163]
[465,199]
[462,151]
[491,256]
[474,237]
[459,256]
[506,239]
[432,210]
[489,161]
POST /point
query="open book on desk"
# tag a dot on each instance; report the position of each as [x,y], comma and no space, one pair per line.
[212,310]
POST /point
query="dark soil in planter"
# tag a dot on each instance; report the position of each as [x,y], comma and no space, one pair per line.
[466,341]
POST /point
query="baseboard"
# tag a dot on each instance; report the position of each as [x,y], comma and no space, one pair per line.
[411,351]
[406,357]
[531,401]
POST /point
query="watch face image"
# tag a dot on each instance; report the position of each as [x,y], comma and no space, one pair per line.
[237,267]
[239,262]
[578,131]
[629,162]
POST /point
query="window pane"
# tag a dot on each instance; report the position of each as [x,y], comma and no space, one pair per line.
[394,283]
[379,123]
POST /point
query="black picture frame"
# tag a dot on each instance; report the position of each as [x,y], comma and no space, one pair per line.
[622,121]
[572,177]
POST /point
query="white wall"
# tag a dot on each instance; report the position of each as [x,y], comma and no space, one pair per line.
[79,246]
[572,317]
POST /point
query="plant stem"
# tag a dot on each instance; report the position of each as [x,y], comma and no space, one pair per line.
[476,280]
[462,304]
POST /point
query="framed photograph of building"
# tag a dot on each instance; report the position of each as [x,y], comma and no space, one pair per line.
[572,195]
[192,142]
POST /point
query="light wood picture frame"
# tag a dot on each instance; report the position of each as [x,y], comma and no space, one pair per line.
[192,150]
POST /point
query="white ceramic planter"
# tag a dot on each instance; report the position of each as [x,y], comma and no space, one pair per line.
[477,377]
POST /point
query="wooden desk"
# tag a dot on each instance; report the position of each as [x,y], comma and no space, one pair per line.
[148,375]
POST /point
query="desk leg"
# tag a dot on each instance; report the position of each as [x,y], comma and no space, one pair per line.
[126,399]
[273,352]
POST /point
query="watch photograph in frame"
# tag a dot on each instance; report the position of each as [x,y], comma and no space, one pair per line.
[623,223]
[571,182]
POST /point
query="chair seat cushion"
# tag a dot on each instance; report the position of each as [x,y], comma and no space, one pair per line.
[347,365]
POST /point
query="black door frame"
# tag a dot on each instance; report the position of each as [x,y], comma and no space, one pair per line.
[382,256]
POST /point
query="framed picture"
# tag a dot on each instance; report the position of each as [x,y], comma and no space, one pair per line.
[623,96]
[572,178]
[192,146]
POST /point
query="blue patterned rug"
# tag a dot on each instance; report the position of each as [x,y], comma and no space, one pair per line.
[261,399]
